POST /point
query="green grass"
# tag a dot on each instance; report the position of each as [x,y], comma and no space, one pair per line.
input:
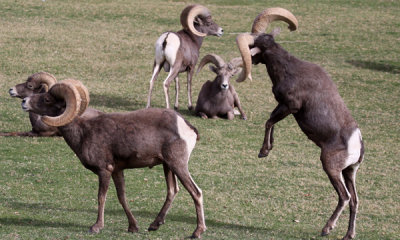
[45,193]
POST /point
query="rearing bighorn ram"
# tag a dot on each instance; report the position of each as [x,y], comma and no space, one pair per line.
[178,51]
[109,143]
[305,90]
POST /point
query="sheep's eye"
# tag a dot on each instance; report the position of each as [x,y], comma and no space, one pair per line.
[46,100]
[30,86]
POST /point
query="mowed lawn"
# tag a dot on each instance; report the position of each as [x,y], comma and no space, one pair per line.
[45,192]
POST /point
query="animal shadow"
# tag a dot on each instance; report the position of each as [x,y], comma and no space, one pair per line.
[382,66]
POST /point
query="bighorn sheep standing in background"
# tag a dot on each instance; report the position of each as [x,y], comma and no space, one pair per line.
[38,83]
[178,51]
[218,98]
[305,90]
[109,143]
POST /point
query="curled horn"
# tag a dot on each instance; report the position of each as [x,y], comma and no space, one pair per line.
[269,15]
[211,58]
[260,24]
[244,40]
[43,78]
[189,13]
[83,92]
[71,96]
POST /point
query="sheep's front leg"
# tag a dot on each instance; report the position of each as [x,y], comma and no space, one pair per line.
[279,113]
[118,177]
[104,181]
[236,102]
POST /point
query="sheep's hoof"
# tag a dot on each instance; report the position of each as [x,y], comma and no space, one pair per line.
[326,230]
[94,229]
[133,229]
[244,118]
[190,108]
[197,233]
[155,225]
[262,154]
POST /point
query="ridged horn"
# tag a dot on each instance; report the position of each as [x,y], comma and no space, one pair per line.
[43,78]
[71,96]
[269,15]
[244,40]
[83,92]
[211,58]
[189,13]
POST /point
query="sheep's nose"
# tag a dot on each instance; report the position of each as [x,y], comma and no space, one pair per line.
[24,101]
[224,86]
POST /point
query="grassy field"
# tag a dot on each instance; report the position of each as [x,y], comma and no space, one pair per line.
[45,193]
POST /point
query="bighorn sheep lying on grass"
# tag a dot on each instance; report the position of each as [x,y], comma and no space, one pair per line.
[218,98]
[109,143]
[178,51]
[305,90]
[38,83]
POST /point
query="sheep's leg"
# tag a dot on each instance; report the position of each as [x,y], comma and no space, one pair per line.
[197,196]
[349,175]
[119,182]
[279,113]
[104,181]
[337,180]
[172,190]
[176,105]
[156,71]
[236,102]
[230,115]
[189,88]
[202,115]
[172,75]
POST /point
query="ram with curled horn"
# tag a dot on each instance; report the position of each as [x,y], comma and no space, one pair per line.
[109,143]
[39,83]
[218,98]
[306,91]
[178,52]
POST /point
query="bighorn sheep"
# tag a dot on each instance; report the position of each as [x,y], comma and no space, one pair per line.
[38,83]
[178,51]
[109,143]
[218,98]
[305,90]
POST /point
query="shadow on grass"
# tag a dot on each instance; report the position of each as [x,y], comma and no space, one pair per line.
[24,221]
[382,66]
[115,102]
[15,221]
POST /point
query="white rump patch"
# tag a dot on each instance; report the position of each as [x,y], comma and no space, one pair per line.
[170,50]
[354,147]
[187,134]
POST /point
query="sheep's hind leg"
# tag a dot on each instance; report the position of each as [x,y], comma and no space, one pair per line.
[176,105]
[172,190]
[350,180]
[197,196]
[104,181]
[337,180]
[119,183]
[156,71]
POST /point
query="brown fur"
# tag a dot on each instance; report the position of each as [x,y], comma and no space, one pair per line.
[305,90]
[109,143]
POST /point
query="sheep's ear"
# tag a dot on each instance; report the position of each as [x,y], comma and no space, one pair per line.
[198,20]
[276,31]
[214,69]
